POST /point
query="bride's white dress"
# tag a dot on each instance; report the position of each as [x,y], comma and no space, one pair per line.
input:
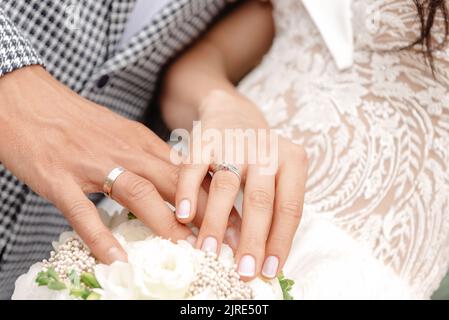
[375,125]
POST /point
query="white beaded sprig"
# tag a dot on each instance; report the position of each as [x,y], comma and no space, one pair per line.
[223,280]
[72,255]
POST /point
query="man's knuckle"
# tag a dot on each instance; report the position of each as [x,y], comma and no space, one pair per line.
[172,227]
[95,238]
[140,189]
[79,208]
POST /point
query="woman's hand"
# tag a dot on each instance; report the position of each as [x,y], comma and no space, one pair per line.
[63,147]
[273,199]
[200,84]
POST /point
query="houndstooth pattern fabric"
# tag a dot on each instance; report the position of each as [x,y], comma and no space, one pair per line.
[76,41]
[15,50]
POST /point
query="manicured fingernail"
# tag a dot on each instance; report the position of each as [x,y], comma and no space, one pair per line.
[115,254]
[232,237]
[270,267]
[183,210]
[192,240]
[209,245]
[247,266]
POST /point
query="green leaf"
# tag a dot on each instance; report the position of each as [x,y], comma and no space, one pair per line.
[50,279]
[56,285]
[42,278]
[89,280]
[82,293]
[74,278]
[45,277]
[93,296]
[131,216]
[52,274]
[286,286]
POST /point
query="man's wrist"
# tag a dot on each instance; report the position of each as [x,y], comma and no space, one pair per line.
[22,93]
[19,80]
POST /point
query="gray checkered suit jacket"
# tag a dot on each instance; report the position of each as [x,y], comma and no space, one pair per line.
[76,41]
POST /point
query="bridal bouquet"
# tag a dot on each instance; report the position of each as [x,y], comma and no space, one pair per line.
[156,269]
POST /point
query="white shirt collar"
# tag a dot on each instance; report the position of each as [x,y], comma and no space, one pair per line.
[333,18]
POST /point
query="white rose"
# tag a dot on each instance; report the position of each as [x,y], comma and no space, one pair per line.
[116,281]
[162,269]
[132,230]
[156,269]
[266,289]
[26,287]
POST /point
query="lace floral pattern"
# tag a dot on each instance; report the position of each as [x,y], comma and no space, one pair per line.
[377,134]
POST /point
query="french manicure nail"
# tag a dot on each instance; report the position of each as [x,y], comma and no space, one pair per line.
[183,210]
[115,254]
[247,266]
[270,267]
[209,245]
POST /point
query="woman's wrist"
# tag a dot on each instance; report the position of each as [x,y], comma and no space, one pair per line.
[232,104]
[184,92]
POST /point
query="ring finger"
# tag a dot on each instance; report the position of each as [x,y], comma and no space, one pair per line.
[222,193]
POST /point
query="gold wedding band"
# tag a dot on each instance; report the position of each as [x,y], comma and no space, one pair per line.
[226,167]
[110,179]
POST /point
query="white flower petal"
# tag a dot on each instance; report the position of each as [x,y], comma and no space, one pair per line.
[26,287]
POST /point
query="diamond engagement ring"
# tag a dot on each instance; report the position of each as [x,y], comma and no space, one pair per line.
[226,167]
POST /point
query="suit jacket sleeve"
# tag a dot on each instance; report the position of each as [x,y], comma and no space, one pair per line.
[15,50]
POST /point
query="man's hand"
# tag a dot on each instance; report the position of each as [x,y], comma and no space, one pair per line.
[63,147]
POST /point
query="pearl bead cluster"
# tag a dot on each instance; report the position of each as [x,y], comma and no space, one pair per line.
[223,280]
[71,255]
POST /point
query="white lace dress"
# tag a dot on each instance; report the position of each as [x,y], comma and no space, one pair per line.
[376,217]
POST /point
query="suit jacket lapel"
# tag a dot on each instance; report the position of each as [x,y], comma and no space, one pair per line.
[120,12]
[159,27]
